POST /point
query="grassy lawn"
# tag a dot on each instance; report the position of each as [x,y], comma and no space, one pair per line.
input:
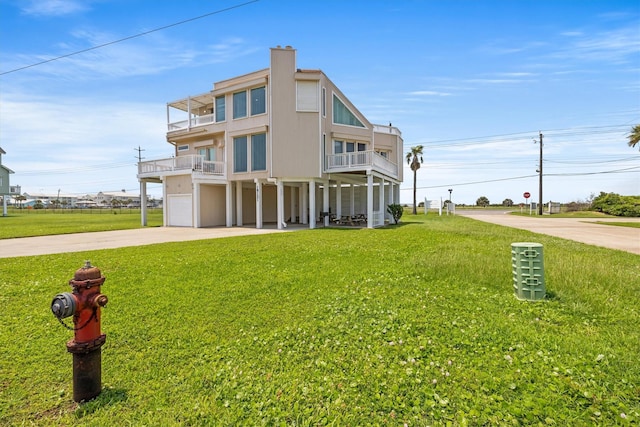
[415,324]
[620,224]
[40,223]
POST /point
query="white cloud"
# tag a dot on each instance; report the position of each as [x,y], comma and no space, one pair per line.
[78,144]
[53,7]
[148,55]
[429,93]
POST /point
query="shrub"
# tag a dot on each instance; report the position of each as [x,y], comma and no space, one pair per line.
[615,204]
[395,211]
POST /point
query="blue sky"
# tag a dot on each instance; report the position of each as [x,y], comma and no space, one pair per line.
[472,81]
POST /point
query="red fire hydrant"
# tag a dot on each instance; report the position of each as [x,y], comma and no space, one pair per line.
[84,305]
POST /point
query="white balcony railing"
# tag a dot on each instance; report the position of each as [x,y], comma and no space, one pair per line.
[194,163]
[360,160]
[194,122]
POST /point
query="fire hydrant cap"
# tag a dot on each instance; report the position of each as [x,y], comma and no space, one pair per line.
[88,272]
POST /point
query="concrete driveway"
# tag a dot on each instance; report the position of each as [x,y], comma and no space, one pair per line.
[584,230]
[61,243]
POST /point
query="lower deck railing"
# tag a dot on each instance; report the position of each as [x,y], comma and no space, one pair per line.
[194,163]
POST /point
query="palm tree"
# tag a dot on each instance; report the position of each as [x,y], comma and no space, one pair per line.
[414,160]
[634,136]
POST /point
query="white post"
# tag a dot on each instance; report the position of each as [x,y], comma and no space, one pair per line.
[304,198]
[229,204]
[143,203]
[325,202]
[165,212]
[383,211]
[239,221]
[196,205]
[292,208]
[338,199]
[312,204]
[352,201]
[4,205]
[369,201]
[258,203]
[280,204]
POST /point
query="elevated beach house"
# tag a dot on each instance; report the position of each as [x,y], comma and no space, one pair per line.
[279,146]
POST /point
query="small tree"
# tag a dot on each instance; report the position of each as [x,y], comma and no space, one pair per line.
[395,211]
[482,201]
[414,160]
[634,136]
[507,202]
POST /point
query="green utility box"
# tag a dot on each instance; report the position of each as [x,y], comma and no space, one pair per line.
[528,271]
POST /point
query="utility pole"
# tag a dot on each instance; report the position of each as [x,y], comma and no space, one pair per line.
[540,180]
[139,150]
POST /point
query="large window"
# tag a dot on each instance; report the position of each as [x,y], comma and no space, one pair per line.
[220,110]
[208,154]
[240,104]
[307,95]
[258,101]
[342,115]
[259,152]
[240,154]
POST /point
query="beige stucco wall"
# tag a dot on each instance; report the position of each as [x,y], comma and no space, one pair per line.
[295,143]
[180,184]
[212,205]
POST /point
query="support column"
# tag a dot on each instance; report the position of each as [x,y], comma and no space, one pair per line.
[165,212]
[392,197]
[325,202]
[280,204]
[338,199]
[143,203]
[229,204]
[369,201]
[304,196]
[292,208]
[196,205]
[352,207]
[239,222]
[258,203]
[381,205]
[312,204]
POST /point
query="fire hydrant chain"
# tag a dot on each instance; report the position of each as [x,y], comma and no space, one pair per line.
[93,316]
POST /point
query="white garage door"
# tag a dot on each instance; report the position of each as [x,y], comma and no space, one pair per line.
[180,210]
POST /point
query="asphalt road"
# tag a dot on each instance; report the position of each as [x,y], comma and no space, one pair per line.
[584,230]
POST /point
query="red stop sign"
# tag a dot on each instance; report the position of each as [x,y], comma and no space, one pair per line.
[527,195]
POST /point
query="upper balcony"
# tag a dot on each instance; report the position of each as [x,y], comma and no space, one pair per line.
[193,164]
[360,161]
[190,112]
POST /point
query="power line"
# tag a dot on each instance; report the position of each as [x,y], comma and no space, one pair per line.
[513,178]
[522,136]
[129,37]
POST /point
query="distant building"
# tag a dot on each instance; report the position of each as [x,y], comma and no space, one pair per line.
[119,198]
[57,200]
[5,187]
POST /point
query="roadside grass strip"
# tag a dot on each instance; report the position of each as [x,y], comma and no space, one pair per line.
[415,324]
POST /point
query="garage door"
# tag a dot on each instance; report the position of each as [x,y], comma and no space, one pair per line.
[180,210]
